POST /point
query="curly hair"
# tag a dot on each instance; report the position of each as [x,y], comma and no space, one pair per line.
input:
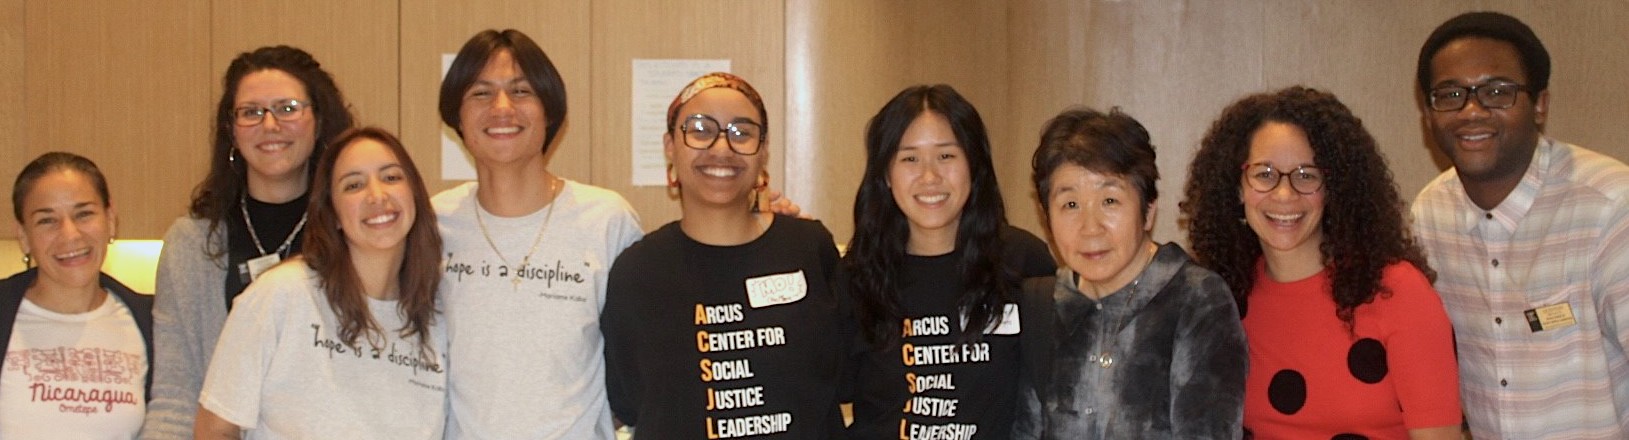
[1364,225]
[218,194]
[877,251]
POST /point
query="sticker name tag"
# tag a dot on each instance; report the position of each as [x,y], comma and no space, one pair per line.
[1550,317]
[769,290]
[1009,322]
[258,265]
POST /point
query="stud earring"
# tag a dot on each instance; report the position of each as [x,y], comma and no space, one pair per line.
[28,260]
[672,177]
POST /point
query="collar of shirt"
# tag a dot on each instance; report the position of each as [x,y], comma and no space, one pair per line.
[1516,205]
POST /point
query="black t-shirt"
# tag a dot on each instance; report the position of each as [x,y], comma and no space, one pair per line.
[726,341]
[929,384]
[274,222]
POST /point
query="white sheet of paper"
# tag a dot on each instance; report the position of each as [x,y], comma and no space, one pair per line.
[655,83]
[455,162]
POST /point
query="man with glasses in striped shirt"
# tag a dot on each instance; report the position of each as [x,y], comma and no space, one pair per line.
[1530,239]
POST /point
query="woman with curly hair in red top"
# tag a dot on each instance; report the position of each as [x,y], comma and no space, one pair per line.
[1289,199]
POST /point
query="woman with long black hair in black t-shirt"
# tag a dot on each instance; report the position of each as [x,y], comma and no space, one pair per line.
[934,272]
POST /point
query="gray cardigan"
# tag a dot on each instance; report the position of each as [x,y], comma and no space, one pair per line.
[188,312]
[1178,366]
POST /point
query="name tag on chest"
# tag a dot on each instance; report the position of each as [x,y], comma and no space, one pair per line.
[1550,317]
[1008,325]
[769,290]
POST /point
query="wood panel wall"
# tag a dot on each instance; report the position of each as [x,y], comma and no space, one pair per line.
[749,33]
[132,85]
[12,137]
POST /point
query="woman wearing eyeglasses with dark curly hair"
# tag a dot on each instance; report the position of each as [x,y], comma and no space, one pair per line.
[1290,201]
[277,112]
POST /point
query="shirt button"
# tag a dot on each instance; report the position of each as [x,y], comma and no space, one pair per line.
[1497,320]
[1490,216]
[1495,262]
[1502,383]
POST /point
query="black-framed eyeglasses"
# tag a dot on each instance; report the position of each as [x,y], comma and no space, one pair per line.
[702,131]
[1491,96]
[1262,177]
[282,110]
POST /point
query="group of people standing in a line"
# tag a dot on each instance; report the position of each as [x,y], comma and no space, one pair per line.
[317,290]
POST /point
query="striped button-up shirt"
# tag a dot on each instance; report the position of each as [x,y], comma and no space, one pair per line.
[1559,240]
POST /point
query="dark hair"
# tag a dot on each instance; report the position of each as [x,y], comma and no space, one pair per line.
[881,229]
[1363,222]
[327,252]
[1112,143]
[534,64]
[1492,25]
[54,161]
[216,196]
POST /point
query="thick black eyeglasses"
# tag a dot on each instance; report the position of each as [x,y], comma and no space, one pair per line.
[1491,96]
[1305,179]
[702,131]
[284,110]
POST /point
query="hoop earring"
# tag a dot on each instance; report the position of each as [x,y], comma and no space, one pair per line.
[758,190]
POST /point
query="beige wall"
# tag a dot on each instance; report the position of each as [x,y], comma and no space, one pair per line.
[132,85]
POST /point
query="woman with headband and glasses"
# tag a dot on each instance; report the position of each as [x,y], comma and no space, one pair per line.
[723,323]
[278,111]
[1291,202]
[76,352]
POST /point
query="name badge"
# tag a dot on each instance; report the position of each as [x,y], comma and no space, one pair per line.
[1009,324]
[1550,317]
[258,265]
[769,290]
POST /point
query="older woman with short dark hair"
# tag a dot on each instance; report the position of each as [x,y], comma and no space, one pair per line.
[1147,344]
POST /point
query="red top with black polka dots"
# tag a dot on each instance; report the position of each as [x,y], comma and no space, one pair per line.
[1311,378]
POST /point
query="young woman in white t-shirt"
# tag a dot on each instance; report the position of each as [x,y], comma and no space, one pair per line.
[344,341]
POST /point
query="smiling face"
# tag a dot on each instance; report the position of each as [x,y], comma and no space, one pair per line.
[372,198]
[1101,232]
[716,176]
[275,150]
[501,118]
[66,228]
[1485,144]
[1287,223]
[930,180]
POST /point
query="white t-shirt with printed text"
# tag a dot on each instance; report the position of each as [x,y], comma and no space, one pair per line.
[74,376]
[526,360]
[280,370]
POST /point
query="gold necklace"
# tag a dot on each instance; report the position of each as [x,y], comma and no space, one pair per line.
[514,276]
